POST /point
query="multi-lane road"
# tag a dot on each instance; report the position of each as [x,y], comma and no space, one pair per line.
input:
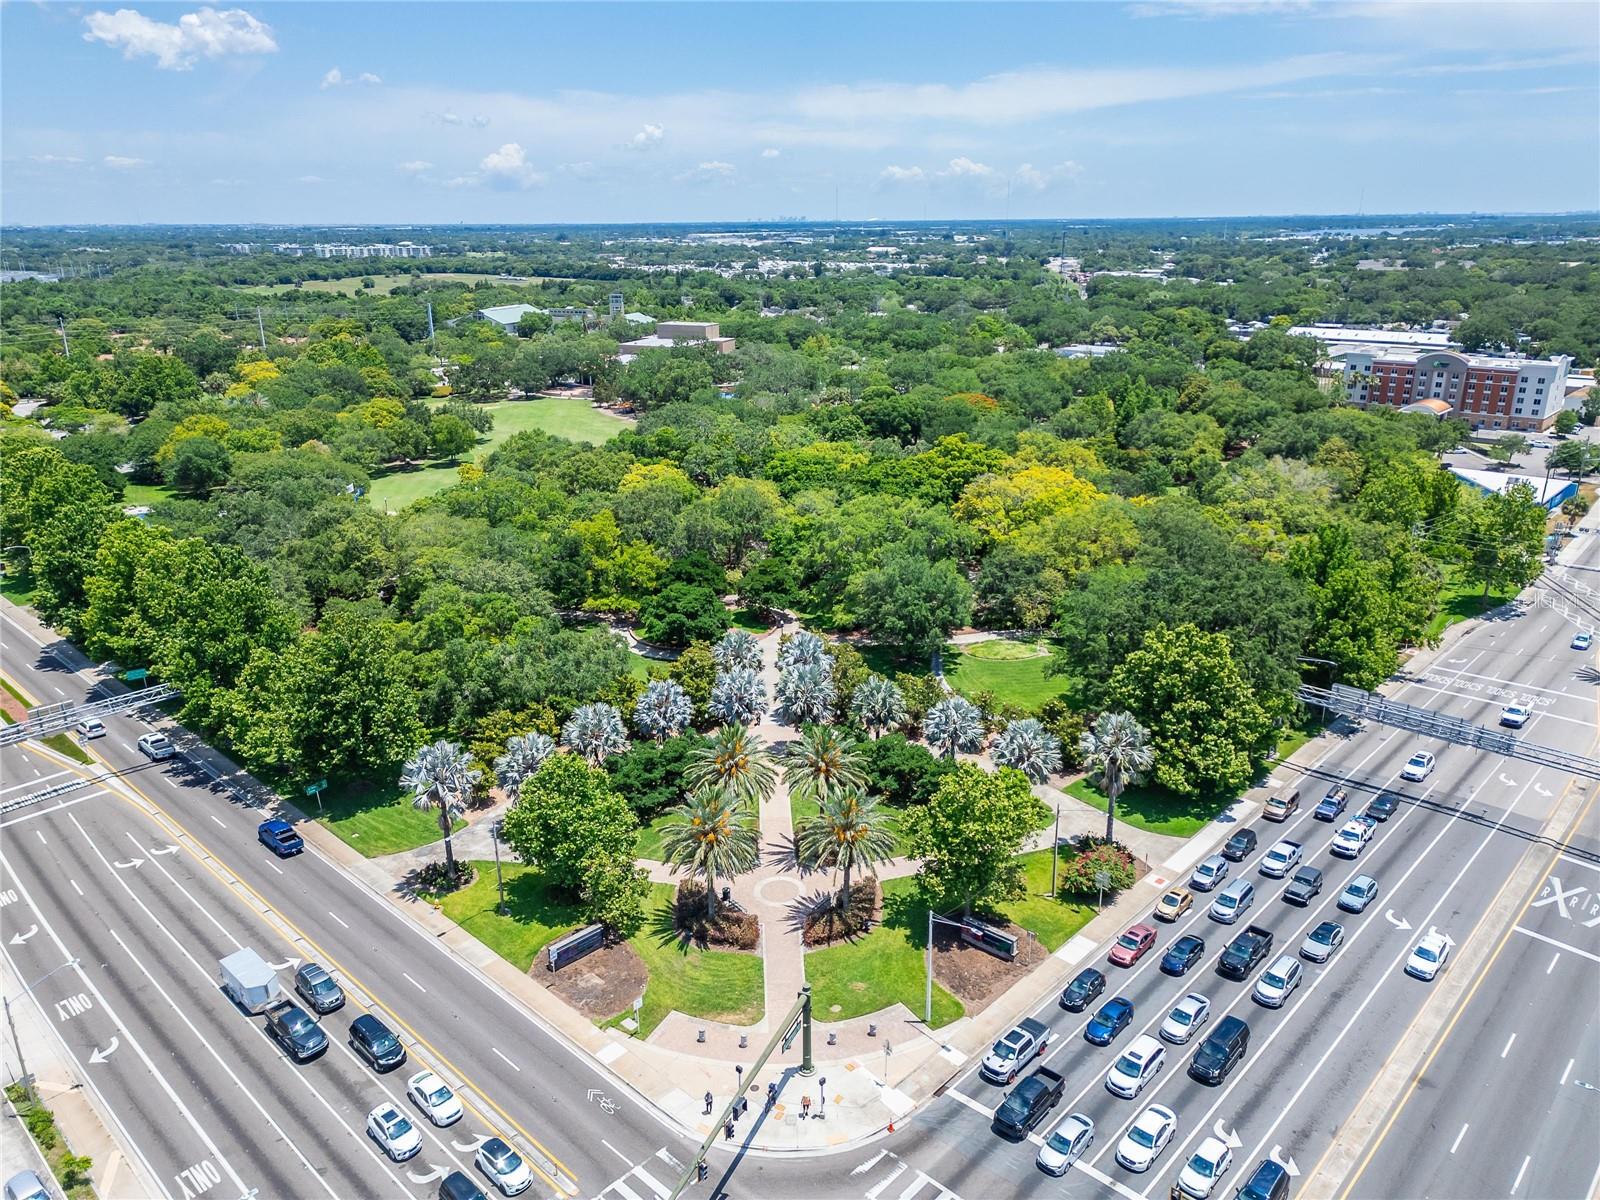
[149,877]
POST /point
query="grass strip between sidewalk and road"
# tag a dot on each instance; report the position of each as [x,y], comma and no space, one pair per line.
[374,821]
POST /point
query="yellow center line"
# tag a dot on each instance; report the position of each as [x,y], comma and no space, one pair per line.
[179,830]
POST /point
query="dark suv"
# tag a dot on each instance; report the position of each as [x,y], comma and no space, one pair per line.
[1220,1052]
[1268,1181]
[1240,845]
[293,1029]
[374,1041]
[318,989]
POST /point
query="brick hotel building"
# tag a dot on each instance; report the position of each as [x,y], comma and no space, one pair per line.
[1488,392]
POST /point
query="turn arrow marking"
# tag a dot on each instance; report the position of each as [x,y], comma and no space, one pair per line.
[123,866]
[287,964]
[1545,792]
[1507,780]
[1229,1137]
[1288,1165]
[165,850]
[1398,922]
[470,1148]
[433,1173]
[99,1056]
[19,938]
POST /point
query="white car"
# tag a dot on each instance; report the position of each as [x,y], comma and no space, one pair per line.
[1582,641]
[1138,1065]
[504,1167]
[1428,959]
[1515,716]
[1205,1168]
[1185,1019]
[1066,1144]
[1418,767]
[396,1136]
[1147,1137]
[434,1097]
[156,747]
[91,728]
[1209,873]
[1322,941]
[1351,839]
[1280,860]
[1278,982]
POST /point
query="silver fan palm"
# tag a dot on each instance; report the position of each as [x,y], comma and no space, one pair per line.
[663,710]
[803,649]
[737,649]
[1030,748]
[596,732]
[525,754]
[807,692]
[738,697]
[955,723]
[878,705]
[440,776]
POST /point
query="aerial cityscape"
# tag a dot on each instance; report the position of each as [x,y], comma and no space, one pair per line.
[833,601]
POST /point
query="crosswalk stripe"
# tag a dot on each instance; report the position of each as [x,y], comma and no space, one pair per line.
[660,1189]
[627,1192]
[899,1170]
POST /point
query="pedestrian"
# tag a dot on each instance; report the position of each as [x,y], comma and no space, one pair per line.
[805,1106]
[772,1094]
[708,1104]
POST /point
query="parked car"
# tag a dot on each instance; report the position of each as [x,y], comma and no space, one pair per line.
[156,747]
[1209,873]
[1133,945]
[1582,641]
[1280,859]
[279,837]
[1358,893]
[1322,941]
[1174,903]
[393,1131]
[1182,954]
[1418,767]
[434,1097]
[1112,1019]
[1268,1181]
[1136,1066]
[1305,885]
[1277,982]
[1083,991]
[1240,846]
[1221,1052]
[91,728]
[1023,1043]
[1331,805]
[374,1041]
[1429,956]
[318,989]
[504,1167]
[1066,1144]
[1029,1102]
[292,1028]
[1515,716]
[1384,805]
[1147,1137]
[1205,1168]
[1185,1019]
[1282,807]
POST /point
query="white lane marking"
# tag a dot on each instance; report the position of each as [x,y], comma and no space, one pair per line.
[881,1154]
[1550,941]
[887,1180]
[1456,1144]
[125,745]
[1553,963]
[628,1193]
[204,910]
[1578,862]
[617,1152]
[415,984]
[57,690]
[335,916]
[216,818]
[1522,1170]
[11,622]
[1509,1042]
[506,1060]
[651,1182]
[34,813]
[963,1098]
[15,787]
[75,886]
[1568,1071]
[42,840]
[275,867]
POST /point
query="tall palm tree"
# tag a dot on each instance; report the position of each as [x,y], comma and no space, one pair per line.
[822,762]
[878,705]
[738,697]
[1030,748]
[1117,752]
[848,832]
[955,723]
[804,649]
[525,754]
[737,649]
[440,776]
[712,839]
[807,691]
[736,762]
[662,710]
[595,731]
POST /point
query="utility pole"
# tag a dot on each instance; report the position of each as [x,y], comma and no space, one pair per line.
[261,327]
[66,350]
[431,345]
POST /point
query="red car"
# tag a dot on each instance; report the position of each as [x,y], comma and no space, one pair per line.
[1133,945]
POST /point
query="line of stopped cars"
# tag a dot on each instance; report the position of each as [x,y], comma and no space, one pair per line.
[1218,1048]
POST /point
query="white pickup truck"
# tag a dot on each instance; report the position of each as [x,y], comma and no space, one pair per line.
[249,981]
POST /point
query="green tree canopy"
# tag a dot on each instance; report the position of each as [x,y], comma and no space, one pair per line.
[969,833]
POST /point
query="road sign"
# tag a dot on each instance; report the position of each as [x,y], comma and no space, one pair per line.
[320,785]
[136,674]
[1102,880]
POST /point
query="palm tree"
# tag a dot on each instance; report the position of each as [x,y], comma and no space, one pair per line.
[955,723]
[525,754]
[1117,752]
[1030,748]
[803,649]
[737,649]
[596,732]
[807,691]
[821,763]
[849,832]
[878,705]
[713,839]
[736,762]
[738,697]
[662,710]
[440,776]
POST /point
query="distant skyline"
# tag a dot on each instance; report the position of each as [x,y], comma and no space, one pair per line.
[378,113]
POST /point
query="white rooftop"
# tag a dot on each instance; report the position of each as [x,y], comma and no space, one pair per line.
[1497,481]
[507,314]
[1357,335]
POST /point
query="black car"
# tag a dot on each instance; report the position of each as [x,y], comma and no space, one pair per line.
[292,1028]
[1239,845]
[1307,882]
[318,989]
[1384,805]
[1183,954]
[1028,1103]
[1268,1181]
[1083,991]
[374,1041]
[457,1186]
[1220,1052]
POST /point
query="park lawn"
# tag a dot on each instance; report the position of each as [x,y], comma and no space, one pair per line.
[374,821]
[147,494]
[18,588]
[885,966]
[1297,735]
[889,661]
[1461,599]
[750,619]
[718,985]
[1050,920]
[1156,810]
[648,844]
[1003,649]
[1013,681]
[535,918]
[563,416]
[639,665]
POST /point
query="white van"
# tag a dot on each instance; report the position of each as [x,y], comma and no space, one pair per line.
[1233,901]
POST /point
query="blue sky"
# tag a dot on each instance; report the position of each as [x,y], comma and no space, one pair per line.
[511,112]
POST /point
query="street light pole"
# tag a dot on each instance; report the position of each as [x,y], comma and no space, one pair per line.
[927,994]
[1055,851]
[499,881]
[5,1001]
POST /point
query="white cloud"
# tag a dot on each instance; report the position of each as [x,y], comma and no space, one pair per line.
[578,170]
[710,171]
[1039,178]
[964,166]
[647,137]
[336,78]
[509,167]
[333,78]
[203,34]
[477,120]
[312,179]
[771,152]
[60,160]
[894,174]
[368,77]
[416,166]
[121,162]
